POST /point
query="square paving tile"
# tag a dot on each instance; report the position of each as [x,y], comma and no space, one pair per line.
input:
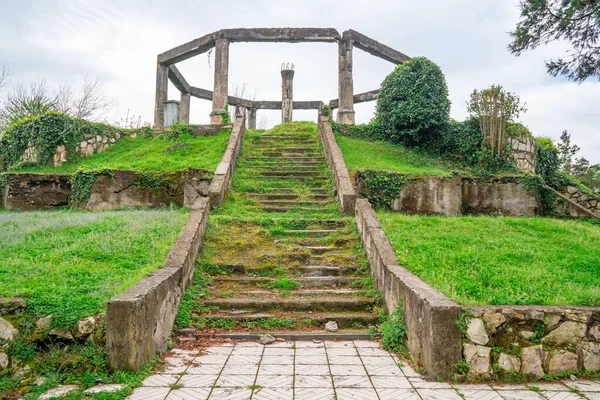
[310,351]
[149,393]
[438,394]
[308,344]
[275,381]
[240,369]
[593,395]
[239,381]
[520,395]
[345,360]
[584,386]
[409,372]
[334,343]
[249,344]
[361,381]
[342,351]
[206,369]
[278,351]
[419,383]
[277,360]
[397,394]
[390,382]
[375,370]
[356,393]
[198,381]
[373,352]
[189,394]
[474,394]
[247,351]
[366,343]
[211,359]
[164,380]
[378,361]
[218,350]
[284,369]
[273,394]
[230,394]
[322,369]
[319,360]
[314,394]
[347,370]
[243,359]
[471,386]
[549,386]
[561,396]
[313,381]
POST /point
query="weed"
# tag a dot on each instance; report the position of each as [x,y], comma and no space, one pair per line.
[393,331]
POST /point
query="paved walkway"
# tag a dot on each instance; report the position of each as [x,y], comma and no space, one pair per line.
[324,370]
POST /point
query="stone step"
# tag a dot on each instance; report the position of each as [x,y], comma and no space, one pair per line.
[320,250]
[299,292]
[294,203]
[286,148]
[345,320]
[306,282]
[326,270]
[294,158]
[282,163]
[278,154]
[316,190]
[311,232]
[288,196]
[290,137]
[273,209]
[315,304]
[285,167]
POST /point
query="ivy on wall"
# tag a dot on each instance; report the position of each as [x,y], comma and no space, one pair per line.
[3,185]
[46,132]
[81,186]
[381,188]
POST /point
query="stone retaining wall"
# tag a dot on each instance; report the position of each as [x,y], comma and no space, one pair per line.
[221,182]
[531,340]
[89,146]
[453,196]
[114,190]
[433,338]
[589,202]
[344,190]
[523,150]
[140,319]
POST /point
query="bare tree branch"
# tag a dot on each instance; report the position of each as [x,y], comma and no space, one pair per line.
[93,103]
[5,74]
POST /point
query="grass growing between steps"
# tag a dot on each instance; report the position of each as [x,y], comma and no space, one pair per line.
[362,155]
[70,263]
[158,154]
[501,260]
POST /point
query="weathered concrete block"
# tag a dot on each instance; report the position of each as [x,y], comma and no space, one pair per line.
[139,320]
[507,198]
[430,195]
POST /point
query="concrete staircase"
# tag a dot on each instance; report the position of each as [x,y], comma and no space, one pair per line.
[297,263]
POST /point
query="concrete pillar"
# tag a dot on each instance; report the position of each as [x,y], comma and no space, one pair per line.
[287,94]
[252,118]
[162,82]
[221,79]
[184,109]
[345,114]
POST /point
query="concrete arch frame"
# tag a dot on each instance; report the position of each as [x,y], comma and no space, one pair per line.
[166,71]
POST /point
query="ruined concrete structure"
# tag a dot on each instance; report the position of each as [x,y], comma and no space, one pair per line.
[219,41]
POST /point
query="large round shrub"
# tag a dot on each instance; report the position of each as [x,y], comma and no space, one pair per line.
[413,105]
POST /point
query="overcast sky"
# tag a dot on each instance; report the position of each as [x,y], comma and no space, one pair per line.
[65,41]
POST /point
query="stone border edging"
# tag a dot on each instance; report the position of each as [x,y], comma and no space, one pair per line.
[345,192]
[223,174]
[434,339]
[140,319]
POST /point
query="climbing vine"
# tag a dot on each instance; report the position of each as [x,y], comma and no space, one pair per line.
[382,188]
[225,119]
[535,185]
[81,185]
[149,180]
[3,184]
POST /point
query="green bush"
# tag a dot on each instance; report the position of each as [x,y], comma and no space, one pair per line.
[45,133]
[462,142]
[370,131]
[547,161]
[413,105]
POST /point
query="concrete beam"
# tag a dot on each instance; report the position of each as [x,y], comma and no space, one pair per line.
[358,98]
[188,50]
[162,87]
[288,35]
[201,93]
[237,101]
[176,77]
[298,105]
[375,48]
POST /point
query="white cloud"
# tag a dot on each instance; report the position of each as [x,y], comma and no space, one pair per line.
[65,40]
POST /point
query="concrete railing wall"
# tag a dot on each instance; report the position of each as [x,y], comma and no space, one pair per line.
[344,190]
[433,339]
[221,182]
[140,319]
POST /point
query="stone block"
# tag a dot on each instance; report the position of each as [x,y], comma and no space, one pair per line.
[479,360]
[476,332]
[590,352]
[493,320]
[532,359]
[509,363]
[7,331]
[568,334]
[562,361]
[551,319]
[3,360]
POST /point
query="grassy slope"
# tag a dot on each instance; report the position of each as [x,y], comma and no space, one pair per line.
[69,263]
[361,155]
[151,154]
[487,260]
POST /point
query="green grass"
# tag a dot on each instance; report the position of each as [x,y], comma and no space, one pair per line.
[158,154]
[70,263]
[500,260]
[382,156]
